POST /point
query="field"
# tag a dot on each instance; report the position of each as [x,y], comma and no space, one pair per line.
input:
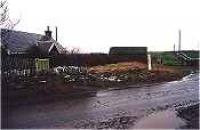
[170,58]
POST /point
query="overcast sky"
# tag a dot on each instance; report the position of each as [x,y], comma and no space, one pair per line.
[96,25]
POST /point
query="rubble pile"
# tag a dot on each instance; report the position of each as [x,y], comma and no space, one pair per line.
[116,74]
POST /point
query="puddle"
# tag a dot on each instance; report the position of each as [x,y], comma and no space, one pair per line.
[101,94]
[194,77]
[167,119]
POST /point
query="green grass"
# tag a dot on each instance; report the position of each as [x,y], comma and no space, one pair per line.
[192,54]
[169,58]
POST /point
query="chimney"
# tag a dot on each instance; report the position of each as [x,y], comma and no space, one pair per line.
[48,33]
[56,33]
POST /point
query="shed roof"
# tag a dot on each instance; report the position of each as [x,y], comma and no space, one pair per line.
[128,51]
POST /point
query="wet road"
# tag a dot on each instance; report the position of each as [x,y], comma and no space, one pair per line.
[108,104]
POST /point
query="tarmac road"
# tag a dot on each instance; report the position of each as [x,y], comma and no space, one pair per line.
[109,109]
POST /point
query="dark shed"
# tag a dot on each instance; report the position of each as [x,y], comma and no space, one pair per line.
[130,53]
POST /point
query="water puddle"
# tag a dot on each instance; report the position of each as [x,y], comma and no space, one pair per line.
[167,119]
[101,94]
[194,77]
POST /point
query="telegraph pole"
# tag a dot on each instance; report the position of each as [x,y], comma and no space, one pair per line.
[179,41]
[174,47]
[56,33]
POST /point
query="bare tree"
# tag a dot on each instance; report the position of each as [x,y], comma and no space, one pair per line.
[75,51]
[4,12]
[5,21]
[65,50]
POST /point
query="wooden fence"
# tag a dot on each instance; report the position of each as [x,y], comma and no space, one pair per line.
[14,65]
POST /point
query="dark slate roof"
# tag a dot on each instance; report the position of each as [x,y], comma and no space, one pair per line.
[45,45]
[18,42]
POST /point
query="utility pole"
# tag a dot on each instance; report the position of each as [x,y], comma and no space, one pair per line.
[174,47]
[179,41]
[56,33]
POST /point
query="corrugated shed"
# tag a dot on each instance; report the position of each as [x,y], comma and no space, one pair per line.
[128,51]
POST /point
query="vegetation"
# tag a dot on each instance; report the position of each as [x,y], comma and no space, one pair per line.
[165,58]
[5,20]
[192,54]
[125,73]
[170,58]
[118,67]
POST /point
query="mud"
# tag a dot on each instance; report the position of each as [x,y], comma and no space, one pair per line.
[109,106]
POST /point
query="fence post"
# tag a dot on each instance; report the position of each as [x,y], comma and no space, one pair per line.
[149,62]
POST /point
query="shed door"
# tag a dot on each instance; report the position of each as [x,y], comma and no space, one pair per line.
[41,64]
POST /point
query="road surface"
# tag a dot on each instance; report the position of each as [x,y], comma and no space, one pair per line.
[109,106]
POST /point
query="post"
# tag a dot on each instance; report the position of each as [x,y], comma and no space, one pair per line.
[149,62]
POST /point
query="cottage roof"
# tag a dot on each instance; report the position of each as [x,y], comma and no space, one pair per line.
[18,42]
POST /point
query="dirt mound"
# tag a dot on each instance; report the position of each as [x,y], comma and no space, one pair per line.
[118,68]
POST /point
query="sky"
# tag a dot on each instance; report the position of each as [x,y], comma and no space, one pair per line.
[97,25]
